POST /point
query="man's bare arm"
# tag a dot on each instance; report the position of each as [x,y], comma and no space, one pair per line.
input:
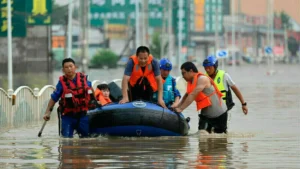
[182,99]
[160,91]
[238,93]
[159,86]
[202,83]
[240,96]
[125,81]
[49,108]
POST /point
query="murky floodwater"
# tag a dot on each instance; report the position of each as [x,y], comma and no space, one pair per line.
[268,137]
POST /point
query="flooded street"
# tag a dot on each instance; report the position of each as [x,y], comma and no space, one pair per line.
[268,137]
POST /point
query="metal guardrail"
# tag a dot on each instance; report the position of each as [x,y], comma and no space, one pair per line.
[25,106]
[5,109]
[95,83]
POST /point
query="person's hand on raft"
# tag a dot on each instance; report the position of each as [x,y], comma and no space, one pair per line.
[178,110]
[161,103]
[124,100]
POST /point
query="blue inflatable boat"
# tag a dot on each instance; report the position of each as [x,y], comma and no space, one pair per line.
[138,118]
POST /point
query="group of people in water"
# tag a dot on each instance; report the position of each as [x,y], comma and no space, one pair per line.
[146,78]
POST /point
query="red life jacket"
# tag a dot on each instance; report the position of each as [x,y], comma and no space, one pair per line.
[75,97]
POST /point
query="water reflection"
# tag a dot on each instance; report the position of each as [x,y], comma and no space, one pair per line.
[165,152]
[219,151]
[73,154]
[213,153]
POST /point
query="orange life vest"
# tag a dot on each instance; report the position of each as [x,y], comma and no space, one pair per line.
[163,80]
[99,96]
[203,100]
[137,73]
[75,97]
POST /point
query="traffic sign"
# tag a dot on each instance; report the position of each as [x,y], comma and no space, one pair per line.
[119,11]
[222,53]
[38,12]
[268,50]
[18,21]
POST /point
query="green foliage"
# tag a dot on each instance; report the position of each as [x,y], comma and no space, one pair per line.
[293,45]
[285,19]
[104,57]
[155,46]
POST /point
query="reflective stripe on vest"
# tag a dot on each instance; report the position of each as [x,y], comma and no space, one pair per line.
[219,81]
[75,97]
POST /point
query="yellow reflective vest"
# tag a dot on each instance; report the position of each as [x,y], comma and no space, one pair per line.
[219,81]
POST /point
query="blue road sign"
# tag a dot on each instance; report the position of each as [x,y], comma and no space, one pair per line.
[268,50]
[222,53]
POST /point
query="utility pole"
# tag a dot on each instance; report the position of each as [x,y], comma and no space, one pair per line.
[129,36]
[216,28]
[286,51]
[137,24]
[84,41]
[188,9]
[65,26]
[241,31]
[145,23]
[105,30]
[272,33]
[233,31]
[163,30]
[9,48]
[217,39]
[226,46]
[170,39]
[180,29]
[268,22]
[70,18]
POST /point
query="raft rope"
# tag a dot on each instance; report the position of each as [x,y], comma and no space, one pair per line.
[162,115]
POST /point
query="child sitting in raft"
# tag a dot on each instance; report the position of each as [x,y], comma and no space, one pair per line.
[102,94]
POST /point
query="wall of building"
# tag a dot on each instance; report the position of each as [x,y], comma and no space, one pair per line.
[259,7]
[31,60]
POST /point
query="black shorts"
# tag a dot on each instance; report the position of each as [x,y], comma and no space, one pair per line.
[219,123]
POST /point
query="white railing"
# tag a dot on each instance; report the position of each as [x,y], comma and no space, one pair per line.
[95,83]
[27,107]
[24,107]
[43,99]
[118,82]
[5,108]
